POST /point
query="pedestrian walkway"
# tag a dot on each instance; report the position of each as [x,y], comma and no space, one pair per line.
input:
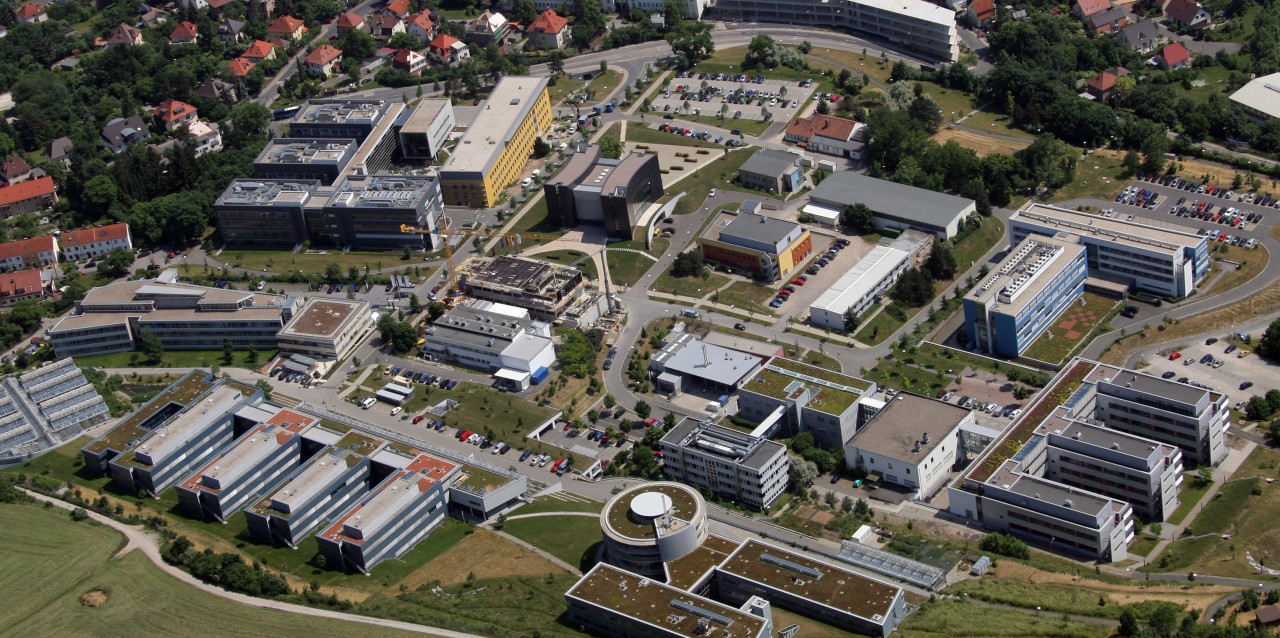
[1227,468]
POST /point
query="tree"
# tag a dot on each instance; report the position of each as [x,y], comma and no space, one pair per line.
[691,40]
[914,288]
[400,335]
[228,352]
[555,63]
[1129,626]
[672,13]
[925,111]
[1269,345]
[1004,545]
[1258,409]
[643,409]
[414,303]
[859,218]
[116,264]
[150,347]
[611,146]
[1132,163]
[1273,432]
[941,263]
[1153,150]
[250,118]
[688,264]
[762,52]
[540,148]
[590,23]
[404,40]
[850,321]
[609,401]
[802,474]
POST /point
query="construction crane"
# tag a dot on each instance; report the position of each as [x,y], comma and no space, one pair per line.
[448,250]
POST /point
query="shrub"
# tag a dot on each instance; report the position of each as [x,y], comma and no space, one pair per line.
[1004,545]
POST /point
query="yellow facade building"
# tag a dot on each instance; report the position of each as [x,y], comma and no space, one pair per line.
[494,149]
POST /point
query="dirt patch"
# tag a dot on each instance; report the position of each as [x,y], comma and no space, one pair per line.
[484,554]
[1218,175]
[1198,597]
[981,144]
[95,598]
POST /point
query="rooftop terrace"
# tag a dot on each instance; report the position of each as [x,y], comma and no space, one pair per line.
[656,604]
[783,378]
[618,515]
[182,392]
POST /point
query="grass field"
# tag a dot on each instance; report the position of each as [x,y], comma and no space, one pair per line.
[688,286]
[574,258]
[550,504]
[1251,522]
[1252,263]
[570,538]
[1192,491]
[564,85]
[996,123]
[51,562]
[626,267]
[176,359]
[285,261]
[604,83]
[869,64]
[748,296]
[644,135]
[1071,328]
[535,220]
[954,104]
[962,619]
[480,408]
[929,364]
[1098,175]
[722,173]
[824,361]
[983,145]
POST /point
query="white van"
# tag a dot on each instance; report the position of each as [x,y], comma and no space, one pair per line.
[367,403]
[528,181]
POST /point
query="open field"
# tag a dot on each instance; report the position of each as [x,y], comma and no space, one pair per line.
[536,220]
[962,619]
[1071,328]
[981,144]
[187,359]
[482,554]
[1252,263]
[564,85]
[996,123]
[603,84]
[480,408]
[569,538]
[285,261]
[688,286]
[824,361]
[954,104]
[551,504]
[626,267]
[1197,170]
[748,296]
[868,64]
[1098,175]
[51,562]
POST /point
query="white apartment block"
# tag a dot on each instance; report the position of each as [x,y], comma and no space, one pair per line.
[92,243]
[746,469]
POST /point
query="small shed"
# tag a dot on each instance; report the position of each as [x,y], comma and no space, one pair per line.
[980,566]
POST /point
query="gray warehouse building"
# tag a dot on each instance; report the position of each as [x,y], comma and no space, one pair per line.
[895,205]
[593,189]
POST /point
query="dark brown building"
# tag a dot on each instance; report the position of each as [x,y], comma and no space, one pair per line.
[593,189]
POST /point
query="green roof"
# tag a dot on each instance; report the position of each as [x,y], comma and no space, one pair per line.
[182,392]
[783,379]
[618,514]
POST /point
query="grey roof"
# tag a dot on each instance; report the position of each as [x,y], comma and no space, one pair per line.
[905,421]
[115,131]
[1163,388]
[733,446]
[1135,33]
[770,162]
[691,356]
[1106,438]
[758,228]
[1058,494]
[1261,94]
[59,148]
[1114,14]
[891,198]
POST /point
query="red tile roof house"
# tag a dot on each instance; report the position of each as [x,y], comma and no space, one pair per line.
[826,134]
[323,61]
[287,28]
[350,21]
[174,114]
[20,285]
[32,14]
[420,26]
[258,51]
[14,170]
[410,62]
[186,33]
[91,243]
[240,67]
[1175,56]
[27,197]
[36,252]
[1102,86]
[981,12]
[1188,14]
[447,50]
[398,7]
[550,31]
[1085,8]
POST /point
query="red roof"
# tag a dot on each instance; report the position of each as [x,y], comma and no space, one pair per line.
[423,20]
[983,9]
[30,189]
[444,42]
[1174,54]
[1104,81]
[324,54]
[28,11]
[350,20]
[23,247]
[241,67]
[22,282]
[285,25]
[824,125]
[171,110]
[14,166]
[1090,7]
[259,50]
[549,22]
[119,230]
[184,30]
[398,7]
[404,56]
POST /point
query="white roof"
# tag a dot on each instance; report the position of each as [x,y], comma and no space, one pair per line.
[824,213]
[1261,94]
[511,375]
[856,284]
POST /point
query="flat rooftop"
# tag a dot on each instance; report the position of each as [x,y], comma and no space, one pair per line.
[514,273]
[1051,492]
[284,150]
[475,479]
[726,443]
[812,580]
[1163,388]
[190,423]
[770,162]
[783,379]
[685,572]
[119,302]
[906,420]
[618,517]
[364,112]
[267,193]
[508,105]
[251,448]
[389,500]
[1167,238]
[382,191]
[1261,94]
[855,285]
[891,198]
[423,115]
[320,472]
[324,318]
[697,358]
[660,605]
[756,228]
[1115,440]
[1028,269]
[181,392]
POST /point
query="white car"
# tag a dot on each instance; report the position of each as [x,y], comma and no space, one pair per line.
[712,193]
[396,410]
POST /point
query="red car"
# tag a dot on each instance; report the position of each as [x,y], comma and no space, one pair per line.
[798,282]
[1175,355]
[418,419]
[652,421]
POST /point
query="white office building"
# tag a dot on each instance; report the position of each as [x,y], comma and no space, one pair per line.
[862,286]
[912,443]
[739,467]
[493,337]
[921,27]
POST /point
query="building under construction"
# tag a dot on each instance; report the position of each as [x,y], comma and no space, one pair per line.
[551,293]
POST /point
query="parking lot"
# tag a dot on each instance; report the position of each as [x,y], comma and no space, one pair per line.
[706,95]
[1234,372]
[1181,204]
[817,282]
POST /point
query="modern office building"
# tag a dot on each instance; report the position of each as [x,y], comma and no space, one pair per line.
[1258,98]
[1193,419]
[691,9]
[649,524]
[772,171]
[327,329]
[810,587]
[920,27]
[254,213]
[479,493]
[173,434]
[685,361]
[895,205]
[115,317]
[495,338]
[366,212]
[612,602]
[1163,259]
[426,129]
[248,468]
[91,243]
[599,191]
[730,464]
[766,247]
[545,290]
[327,485]
[855,291]
[285,158]
[338,119]
[1142,472]
[401,511]
[46,407]
[788,397]
[1038,281]
[494,149]
[22,254]
[912,443]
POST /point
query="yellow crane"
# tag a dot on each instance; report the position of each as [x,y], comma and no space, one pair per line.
[448,250]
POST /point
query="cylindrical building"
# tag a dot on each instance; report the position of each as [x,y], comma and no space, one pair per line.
[652,523]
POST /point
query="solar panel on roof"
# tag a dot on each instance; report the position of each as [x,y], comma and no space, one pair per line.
[700,612]
[793,566]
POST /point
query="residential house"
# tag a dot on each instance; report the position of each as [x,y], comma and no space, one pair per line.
[121,133]
[15,170]
[152,16]
[258,51]
[399,8]
[69,63]
[207,137]
[287,28]
[174,114]
[348,22]
[1085,8]
[384,26]
[230,31]
[489,27]
[550,31]
[215,89]
[124,36]
[409,61]
[91,243]
[36,252]
[447,50]
[421,26]
[185,33]
[1102,86]
[1173,57]
[31,14]
[193,4]
[1108,21]
[1142,37]
[1187,14]
[323,61]
[59,150]
[240,67]
[27,197]
[981,12]
[20,286]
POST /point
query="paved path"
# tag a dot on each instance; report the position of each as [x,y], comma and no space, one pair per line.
[148,544]
[540,514]
[550,557]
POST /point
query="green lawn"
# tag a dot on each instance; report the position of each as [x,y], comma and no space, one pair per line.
[480,408]
[176,359]
[688,286]
[1215,82]
[1098,175]
[824,361]
[535,220]
[51,562]
[963,619]
[995,123]
[1058,342]
[604,84]
[730,61]
[954,104]
[1192,491]
[868,64]
[722,173]
[284,261]
[974,246]
[574,258]
[626,267]
[932,368]
[748,296]
[552,504]
[569,538]
[643,135]
[882,326]
[1234,501]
